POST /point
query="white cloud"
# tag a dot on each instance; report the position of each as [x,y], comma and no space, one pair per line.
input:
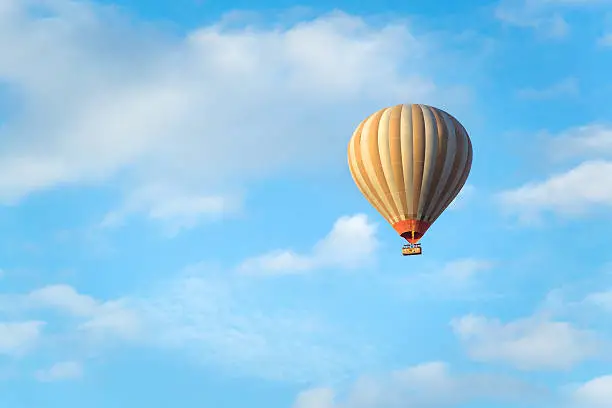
[96,318]
[66,370]
[544,16]
[588,301]
[593,140]
[316,398]
[215,318]
[528,344]
[457,279]
[350,244]
[574,193]
[113,318]
[99,99]
[63,297]
[17,338]
[566,87]
[277,263]
[534,15]
[596,393]
[466,194]
[429,385]
[463,270]
[605,40]
[602,299]
[176,209]
[228,322]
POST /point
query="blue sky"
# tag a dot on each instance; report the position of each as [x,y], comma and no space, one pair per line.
[179,225]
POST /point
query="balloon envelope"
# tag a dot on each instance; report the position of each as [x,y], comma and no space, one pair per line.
[410,162]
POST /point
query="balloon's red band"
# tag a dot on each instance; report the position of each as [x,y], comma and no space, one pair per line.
[406,228]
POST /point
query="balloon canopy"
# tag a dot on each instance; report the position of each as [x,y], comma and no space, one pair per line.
[410,162]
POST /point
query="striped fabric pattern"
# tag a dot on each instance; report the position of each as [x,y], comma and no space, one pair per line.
[410,162]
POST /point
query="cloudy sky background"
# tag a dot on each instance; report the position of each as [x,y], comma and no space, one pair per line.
[179,225]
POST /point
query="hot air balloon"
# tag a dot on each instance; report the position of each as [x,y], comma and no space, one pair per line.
[410,161]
